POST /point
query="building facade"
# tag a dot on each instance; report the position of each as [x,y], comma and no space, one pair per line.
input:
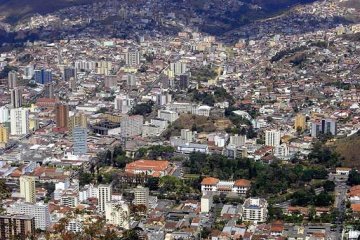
[255,210]
[19,124]
[214,185]
[104,196]
[16,226]
[27,188]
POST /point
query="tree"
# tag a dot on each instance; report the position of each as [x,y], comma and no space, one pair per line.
[354,178]
[323,199]
[153,183]
[329,186]
[142,108]
[130,235]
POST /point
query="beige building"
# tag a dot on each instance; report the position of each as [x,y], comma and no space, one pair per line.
[141,196]
[4,135]
[27,188]
[300,122]
[77,120]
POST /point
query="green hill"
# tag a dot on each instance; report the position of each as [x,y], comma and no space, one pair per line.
[349,150]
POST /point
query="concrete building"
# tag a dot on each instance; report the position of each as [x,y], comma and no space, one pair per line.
[255,210]
[188,148]
[28,72]
[77,120]
[16,97]
[69,73]
[238,140]
[206,202]
[131,126]
[43,76]
[79,135]
[62,115]
[117,213]
[39,211]
[272,138]
[85,65]
[19,121]
[74,225]
[4,135]
[104,196]
[27,188]
[214,185]
[131,80]
[323,126]
[12,79]
[178,68]
[49,90]
[123,103]
[4,114]
[103,68]
[187,135]
[16,226]
[141,196]
[168,115]
[132,58]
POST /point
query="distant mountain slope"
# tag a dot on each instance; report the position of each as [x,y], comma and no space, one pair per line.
[15,10]
[349,150]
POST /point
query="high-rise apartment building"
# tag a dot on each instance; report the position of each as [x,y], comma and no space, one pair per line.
[300,122]
[187,135]
[141,196]
[77,120]
[69,73]
[4,114]
[103,68]
[28,72]
[40,211]
[131,126]
[123,103]
[272,138]
[27,188]
[49,90]
[43,76]
[323,126]
[184,81]
[85,65]
[117,213]
[104,196]
[12,79]
[238,140]
[79,135]
[132,58]
[17,226]
[62,115]
[16,97]
[19,121]
[4,134]
[178,68]
[131,80]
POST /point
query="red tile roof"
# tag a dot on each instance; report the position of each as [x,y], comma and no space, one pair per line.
[242,183]
[209,181]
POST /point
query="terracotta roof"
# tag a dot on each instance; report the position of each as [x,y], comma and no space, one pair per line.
[242,183]
[355,207]
[277,226]
[209,181]
[147,165]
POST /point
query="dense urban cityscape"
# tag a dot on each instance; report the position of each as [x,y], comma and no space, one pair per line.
[190,119]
